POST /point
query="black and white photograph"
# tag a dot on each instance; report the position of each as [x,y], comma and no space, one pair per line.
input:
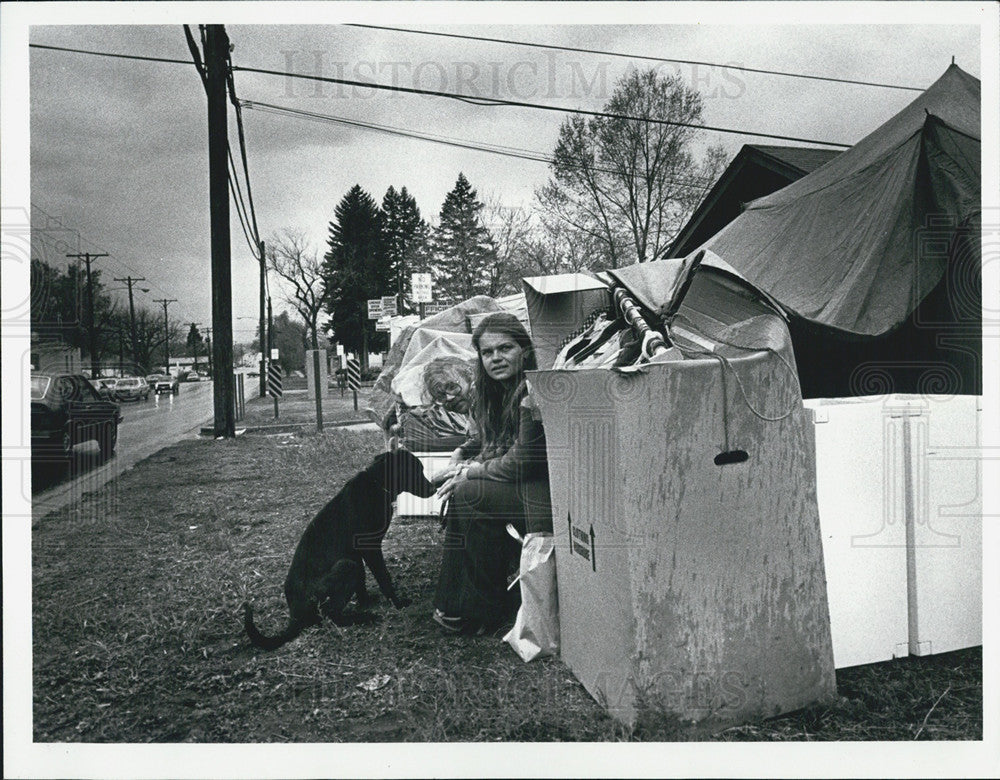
[500,389]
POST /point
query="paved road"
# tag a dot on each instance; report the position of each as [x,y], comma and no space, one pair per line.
[146,427]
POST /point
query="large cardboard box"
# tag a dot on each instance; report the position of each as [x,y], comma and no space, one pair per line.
[686,587]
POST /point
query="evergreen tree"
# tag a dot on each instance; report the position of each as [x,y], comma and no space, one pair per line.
[464,253]
[354,270]
[404,242]
[195,342]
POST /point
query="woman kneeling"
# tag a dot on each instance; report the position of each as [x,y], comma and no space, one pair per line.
[498,476]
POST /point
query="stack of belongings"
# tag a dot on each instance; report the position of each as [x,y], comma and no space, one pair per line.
[422,397]
[640,324]
[683,491]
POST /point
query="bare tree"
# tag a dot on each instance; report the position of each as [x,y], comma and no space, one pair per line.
[554,247]
[630,184]
[511,229]
[150,335]
[293,258]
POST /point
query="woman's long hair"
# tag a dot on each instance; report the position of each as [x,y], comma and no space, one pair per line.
[497,404]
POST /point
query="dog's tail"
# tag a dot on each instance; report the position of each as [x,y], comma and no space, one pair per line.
[292,630]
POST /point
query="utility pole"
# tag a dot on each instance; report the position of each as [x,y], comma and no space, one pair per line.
[263,355]
[129,280]
[270,329]
[166,331]
[87,257]
[217,71]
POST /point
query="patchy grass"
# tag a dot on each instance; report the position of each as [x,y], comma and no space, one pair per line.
[296,407]
[138,635]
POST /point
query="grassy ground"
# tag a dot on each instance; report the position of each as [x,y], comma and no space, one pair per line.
[138,637]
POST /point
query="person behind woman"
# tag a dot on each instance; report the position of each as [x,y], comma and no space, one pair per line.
[498,476]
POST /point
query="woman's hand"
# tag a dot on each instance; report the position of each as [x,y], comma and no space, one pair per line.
[455,463]
[446,473]
[452,479]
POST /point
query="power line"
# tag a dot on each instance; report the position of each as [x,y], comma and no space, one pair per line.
[243,146]
[507,151]
[466,98]
[524,104]
[647,57]
[81,239]
[195,62]
[110,54]
[196,56]
[234,183]
[240,206]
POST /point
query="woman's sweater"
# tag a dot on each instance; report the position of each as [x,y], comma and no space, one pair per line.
[523,461]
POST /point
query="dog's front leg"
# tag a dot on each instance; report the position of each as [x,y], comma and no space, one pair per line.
[376,562]
[365,599]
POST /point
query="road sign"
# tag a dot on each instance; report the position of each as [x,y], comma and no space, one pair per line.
[375,310]
[383,326]
[353,374]
[422,288]
[274,380]
[389,306]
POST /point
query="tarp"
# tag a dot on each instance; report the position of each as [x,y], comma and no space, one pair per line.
[430,352]
[841,247]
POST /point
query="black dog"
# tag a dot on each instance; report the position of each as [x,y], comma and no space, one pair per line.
[328,566]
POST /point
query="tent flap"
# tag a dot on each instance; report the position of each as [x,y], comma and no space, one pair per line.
[842,246]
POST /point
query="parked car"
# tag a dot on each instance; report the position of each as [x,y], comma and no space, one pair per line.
[131,388]
[105,387]
[66,410]
[164,383]
[192,376]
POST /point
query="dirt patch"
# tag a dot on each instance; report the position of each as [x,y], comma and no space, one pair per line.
[138,635]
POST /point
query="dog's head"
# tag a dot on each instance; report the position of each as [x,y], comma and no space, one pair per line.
[400,472]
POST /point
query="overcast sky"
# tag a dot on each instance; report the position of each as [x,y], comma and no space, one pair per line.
[119,147]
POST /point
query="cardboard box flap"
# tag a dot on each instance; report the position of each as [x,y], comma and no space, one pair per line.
[557,306]
[561,283]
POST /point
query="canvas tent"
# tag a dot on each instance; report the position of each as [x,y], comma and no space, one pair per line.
[875,254]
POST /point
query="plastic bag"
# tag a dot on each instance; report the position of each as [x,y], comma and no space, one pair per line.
[536,631]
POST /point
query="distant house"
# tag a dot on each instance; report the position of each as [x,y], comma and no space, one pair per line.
[54,355]
[756,171]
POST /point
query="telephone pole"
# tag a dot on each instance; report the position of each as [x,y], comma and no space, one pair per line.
[166,331]
[87,257]
[217,71]
[270,330]
[260,335]
[129,280]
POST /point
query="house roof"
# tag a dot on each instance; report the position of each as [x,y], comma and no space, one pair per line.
[803,159]
[756,171]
